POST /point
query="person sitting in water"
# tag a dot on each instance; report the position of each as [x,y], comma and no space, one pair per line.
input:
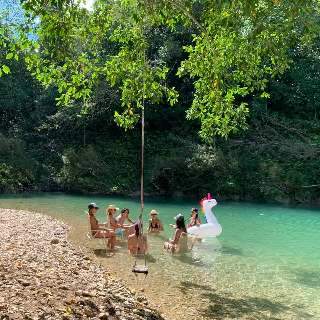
[194,219]
[179,243]
[122,218]
[99,230]
[111,220]
[155,225]
[137,242]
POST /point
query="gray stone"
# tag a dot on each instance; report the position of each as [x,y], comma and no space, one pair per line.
[54,241]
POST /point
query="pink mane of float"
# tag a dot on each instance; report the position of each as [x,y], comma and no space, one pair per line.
[208,197]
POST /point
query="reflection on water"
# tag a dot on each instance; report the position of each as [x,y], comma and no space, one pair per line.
[266,264]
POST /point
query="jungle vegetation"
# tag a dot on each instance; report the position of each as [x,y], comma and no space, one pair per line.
[230,91]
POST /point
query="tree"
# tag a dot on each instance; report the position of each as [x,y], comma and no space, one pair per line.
[11,20]
[238,46]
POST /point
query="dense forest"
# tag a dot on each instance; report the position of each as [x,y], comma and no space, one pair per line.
[274,156]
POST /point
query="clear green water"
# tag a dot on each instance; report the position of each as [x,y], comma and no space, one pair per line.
[265,265]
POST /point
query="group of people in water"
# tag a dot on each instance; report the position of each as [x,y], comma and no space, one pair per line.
[122,225]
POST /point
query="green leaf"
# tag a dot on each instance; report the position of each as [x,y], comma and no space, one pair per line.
[9,56]
[5,69]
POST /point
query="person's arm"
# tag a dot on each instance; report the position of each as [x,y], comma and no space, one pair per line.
[198,222]
[160,226]
[105,226]
[102,225]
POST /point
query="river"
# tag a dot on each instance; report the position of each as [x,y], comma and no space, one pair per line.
[265,265]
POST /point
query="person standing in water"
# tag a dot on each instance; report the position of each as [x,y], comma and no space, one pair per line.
[155,225]
[99,230]
[179,243]
[194,219]
[137,242]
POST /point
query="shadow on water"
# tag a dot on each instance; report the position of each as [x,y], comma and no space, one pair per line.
[223,306]
[150,258]
[188,259]
[307,278]
[231,251]
[101,253]
[186,285]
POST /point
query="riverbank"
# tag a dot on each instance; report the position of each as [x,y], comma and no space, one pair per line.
[44,276]
[163,198]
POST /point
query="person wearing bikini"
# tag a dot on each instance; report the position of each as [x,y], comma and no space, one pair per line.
[155,225]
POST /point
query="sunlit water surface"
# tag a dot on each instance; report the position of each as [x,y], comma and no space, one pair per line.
[265,265]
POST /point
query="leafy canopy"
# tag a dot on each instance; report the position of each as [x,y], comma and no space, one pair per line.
[237,47]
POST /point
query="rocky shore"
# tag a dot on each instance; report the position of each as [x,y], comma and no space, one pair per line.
[43,276]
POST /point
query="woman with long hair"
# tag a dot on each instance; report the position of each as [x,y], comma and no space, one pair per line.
[179,243]
[137,242]
[194,219]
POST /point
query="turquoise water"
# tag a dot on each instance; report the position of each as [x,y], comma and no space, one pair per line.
[265,265]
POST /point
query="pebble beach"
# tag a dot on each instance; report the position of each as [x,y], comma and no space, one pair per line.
[44,276]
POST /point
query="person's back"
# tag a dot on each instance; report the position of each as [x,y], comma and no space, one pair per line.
[137,242]
[182,245]
[137,245]
[179,243]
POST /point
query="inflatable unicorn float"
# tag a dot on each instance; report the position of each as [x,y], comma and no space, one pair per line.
[210,229]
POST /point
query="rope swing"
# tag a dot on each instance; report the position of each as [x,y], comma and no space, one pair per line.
[142,269]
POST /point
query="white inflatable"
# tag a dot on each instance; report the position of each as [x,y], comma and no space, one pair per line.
[210,229]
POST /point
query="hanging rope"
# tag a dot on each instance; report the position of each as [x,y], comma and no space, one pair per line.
[142,143]
[136,268]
